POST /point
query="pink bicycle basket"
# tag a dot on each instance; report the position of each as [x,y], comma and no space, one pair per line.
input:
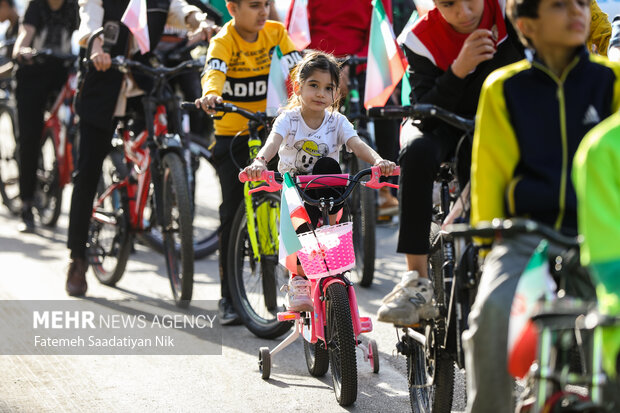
[331,245]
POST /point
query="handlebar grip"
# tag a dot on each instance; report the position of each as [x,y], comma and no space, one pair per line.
[389,112]
[268,176]
[374,183]
[189,106]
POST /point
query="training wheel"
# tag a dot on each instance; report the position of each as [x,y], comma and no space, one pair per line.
[373,355]
[264,362]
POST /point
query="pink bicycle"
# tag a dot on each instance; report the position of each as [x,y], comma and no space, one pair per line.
[332,331]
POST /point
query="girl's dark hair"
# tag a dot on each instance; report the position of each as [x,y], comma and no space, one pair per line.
[316,60]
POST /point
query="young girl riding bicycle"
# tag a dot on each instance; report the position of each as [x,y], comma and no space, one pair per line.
[308,136]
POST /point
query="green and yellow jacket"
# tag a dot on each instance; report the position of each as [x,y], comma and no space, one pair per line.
[529,124]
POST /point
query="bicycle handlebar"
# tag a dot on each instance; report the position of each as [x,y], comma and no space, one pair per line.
[353,60]
[229,108]
[511,227]
[420,111]
[273,180]
[123,64]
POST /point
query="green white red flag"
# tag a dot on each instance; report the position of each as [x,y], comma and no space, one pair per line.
[386,61]
[292,215]
[535,283]
[277,92]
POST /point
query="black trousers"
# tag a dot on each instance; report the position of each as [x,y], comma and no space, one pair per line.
[95,144]
[232,194]
[35,87]
[419,161]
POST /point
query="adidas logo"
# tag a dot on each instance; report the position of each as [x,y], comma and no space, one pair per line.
[591,116]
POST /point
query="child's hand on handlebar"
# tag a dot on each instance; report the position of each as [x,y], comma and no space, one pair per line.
[208,102]
[387,167]
[256,168]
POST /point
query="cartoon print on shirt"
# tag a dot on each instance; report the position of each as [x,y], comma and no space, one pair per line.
[308,153]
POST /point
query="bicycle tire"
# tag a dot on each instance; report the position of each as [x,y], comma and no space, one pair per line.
[48,192]
[109,259]
[435,261]
[9,166]
[206,221]
[246,277]
[317,358]
[364,216]
[435,398]
[177,223]
[341,347]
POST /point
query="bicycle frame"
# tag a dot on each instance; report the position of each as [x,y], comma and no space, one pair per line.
[314,329]
[62,122]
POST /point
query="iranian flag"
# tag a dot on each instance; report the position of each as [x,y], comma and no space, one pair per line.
[292,215]
[386,61]
[535,283]
[135,20]
[277,92]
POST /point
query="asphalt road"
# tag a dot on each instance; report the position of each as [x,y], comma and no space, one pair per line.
[33,267]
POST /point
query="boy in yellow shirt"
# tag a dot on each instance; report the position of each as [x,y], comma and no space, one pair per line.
[236,71]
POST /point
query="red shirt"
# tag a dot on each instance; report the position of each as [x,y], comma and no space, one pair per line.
[340,27]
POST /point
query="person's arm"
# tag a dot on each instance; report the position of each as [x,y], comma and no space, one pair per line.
[596,176]
[22,49]
[495,153]
[600,30]
[184,15]
[214,76]
[367,154]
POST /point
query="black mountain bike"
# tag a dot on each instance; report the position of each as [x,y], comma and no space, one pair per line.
[433,346]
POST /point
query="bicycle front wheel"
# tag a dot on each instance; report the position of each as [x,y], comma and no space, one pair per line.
[9,167]
[48,193]
[341,344]
[177,229]
[205,222]
[109,239]
[254,279]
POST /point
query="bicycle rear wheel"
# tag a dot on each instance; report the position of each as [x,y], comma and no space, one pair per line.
[177,229]
[48,193]
[254,281]
[9,168]
[341,344]
[109,238]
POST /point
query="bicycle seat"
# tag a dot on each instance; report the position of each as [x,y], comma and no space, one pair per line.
[561,314]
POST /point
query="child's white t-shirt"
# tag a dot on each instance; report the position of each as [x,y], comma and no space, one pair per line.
[302,146]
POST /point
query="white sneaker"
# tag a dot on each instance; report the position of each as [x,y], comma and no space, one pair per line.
[410,300]
[298,294]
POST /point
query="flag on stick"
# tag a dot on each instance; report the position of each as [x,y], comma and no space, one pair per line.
[135,20]
[292,215]
[535,283]
[298,26]
[277,93]
[386,61]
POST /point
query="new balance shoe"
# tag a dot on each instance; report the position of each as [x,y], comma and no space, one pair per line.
[408,302]
[298,294]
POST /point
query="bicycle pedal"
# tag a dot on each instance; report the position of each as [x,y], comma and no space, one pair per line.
[366,324]
[288,316]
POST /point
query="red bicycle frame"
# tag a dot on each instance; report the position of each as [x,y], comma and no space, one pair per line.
[59,123]
[138,154]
